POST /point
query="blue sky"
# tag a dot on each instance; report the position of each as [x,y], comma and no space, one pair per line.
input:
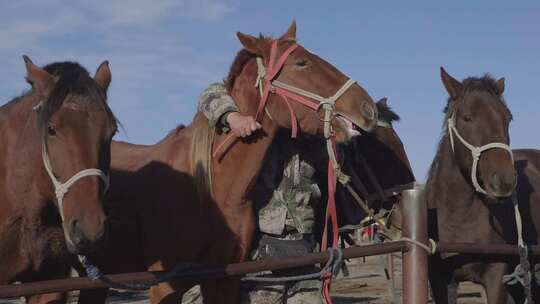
[163,53]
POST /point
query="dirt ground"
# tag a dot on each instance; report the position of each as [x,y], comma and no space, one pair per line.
[366,283]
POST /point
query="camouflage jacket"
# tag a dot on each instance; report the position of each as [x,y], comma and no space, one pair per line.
[214,102]
[285,195]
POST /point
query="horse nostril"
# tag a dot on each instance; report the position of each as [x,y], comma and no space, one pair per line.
[369,111]
[76,232]
[100,235]
[495,179]
[503,183]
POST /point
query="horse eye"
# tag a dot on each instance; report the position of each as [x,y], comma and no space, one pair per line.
[51,130]
[302,63]
[466,118]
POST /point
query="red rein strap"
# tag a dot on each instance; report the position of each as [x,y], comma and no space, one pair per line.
[331,215]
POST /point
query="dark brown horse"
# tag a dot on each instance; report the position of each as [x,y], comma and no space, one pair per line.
[468,204]
[65,122]
[379,167]
[377,164]
[171,203]
[527,163]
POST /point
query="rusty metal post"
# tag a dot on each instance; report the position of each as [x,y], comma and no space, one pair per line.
[415,263]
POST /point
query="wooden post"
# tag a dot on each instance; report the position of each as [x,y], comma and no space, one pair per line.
[415,264]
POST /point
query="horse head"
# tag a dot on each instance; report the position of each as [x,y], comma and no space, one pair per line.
[301,88]
[76,127]
[477,124]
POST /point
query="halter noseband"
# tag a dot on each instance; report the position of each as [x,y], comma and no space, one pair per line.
[61,189]
[476,152]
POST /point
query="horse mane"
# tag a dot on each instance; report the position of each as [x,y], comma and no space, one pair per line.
[386,113]
[485,83]
[71,79]
[242,58]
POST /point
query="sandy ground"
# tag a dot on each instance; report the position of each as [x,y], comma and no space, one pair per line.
[366,283]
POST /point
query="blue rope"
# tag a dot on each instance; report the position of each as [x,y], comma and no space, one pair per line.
[94,273]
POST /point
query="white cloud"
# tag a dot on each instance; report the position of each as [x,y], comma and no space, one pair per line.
[209,10]
[128,32]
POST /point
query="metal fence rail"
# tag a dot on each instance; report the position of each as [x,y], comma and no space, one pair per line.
[415,285]
[237,269]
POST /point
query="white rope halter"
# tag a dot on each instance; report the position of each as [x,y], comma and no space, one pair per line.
[61,189]
[476,152]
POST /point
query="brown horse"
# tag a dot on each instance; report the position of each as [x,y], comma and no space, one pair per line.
[62,125]
[527,163]
[466,193]
[171,203]
[378,166]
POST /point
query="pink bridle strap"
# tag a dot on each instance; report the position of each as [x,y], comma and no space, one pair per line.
[271,72]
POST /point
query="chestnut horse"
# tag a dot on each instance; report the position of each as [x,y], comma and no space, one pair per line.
[466,191]
[62,126]
[172,203]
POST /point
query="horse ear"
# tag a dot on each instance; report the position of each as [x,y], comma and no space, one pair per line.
[290,35]
[500,86]
[41,81]
[454,87]
[250,43]
[103,75]
[383,102]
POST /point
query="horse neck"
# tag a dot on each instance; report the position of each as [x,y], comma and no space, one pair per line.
[446,187]
[23,171]
[462,215]
[237,171]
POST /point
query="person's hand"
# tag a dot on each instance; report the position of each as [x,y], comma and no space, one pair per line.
[242,125]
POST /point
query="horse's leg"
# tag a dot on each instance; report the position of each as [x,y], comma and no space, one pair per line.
[443,288]
[49,270]
[48,298]
[225,291]
[444,291]
[163,294]
[93,296]
[170,292]
[496,292]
